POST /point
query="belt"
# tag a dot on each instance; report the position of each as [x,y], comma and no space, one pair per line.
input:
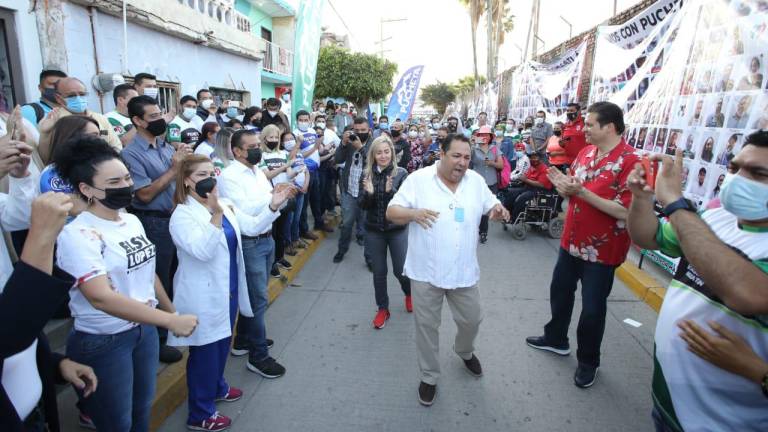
[258,237]
[151,213]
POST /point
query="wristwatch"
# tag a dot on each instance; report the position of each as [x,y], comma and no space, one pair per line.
[764,385]
[680,204]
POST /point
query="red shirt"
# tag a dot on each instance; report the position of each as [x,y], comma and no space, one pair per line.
[539,174]
[589,233]
[575,131]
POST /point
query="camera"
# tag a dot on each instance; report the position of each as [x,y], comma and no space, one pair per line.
[353,136]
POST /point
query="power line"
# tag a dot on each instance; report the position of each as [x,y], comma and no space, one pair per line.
[351,36]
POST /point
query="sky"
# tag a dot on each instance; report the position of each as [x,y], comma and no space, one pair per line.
[437,32]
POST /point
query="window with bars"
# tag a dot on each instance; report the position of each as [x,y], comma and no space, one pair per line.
[168,94]
[221,95]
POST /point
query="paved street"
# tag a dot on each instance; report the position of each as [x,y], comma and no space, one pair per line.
[345,376]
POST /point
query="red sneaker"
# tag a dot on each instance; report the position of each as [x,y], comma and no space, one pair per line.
[381,319]
[232,395]
[216,422]
[85,421]
[408,304]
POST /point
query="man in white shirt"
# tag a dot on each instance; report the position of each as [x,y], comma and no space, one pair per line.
[446,202]
[251,192]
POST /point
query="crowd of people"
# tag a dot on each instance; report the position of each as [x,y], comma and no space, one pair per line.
[164,230]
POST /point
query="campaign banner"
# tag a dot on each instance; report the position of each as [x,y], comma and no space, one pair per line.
[641,25]
[404,96]
[711,93]
[306,49]
[547,86]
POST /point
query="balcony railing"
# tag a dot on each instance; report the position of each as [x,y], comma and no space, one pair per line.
[277,59]
[222,11]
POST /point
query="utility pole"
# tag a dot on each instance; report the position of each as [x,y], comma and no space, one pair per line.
[530,26]
[537,6]
[381,34]
[489,25]
[570,27]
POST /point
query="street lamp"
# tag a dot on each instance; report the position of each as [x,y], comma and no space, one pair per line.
[570,27]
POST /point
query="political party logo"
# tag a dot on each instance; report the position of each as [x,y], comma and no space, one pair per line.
[139,251]
[404,96]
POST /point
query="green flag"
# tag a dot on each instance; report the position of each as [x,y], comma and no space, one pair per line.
[306,50]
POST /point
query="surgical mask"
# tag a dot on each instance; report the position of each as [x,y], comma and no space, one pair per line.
[205,186]
[413,134]
[557,132]
[254,156]
[304,126]
[272,113]
[509,128]
[384,126]
[76,104]
[571,116]
[151,92]
[117,198]
[231,112]
[745,198]
[157,127]
[272,145]
[189,113]
[345,110]
[499,133]
[519,154]
[48,94]
[422,134]
[435,126]
[206,104]
[321,110]
[289,145]
[321,125]
[538,120]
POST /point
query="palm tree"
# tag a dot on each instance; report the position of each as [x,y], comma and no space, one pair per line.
[476,11]
[501,24]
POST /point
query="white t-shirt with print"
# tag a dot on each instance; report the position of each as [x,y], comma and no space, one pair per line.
[89,247]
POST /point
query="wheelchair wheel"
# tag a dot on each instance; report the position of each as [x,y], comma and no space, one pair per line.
[556,228]
[518,231]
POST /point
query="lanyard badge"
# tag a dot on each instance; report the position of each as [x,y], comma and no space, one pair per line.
[458,212]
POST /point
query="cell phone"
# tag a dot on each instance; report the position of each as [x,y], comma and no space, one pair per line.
[651,168]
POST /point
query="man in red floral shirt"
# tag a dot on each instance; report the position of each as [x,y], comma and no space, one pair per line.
[595,240]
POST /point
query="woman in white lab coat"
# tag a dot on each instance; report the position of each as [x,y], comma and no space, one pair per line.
[210,280]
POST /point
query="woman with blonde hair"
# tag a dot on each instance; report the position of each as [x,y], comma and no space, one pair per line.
[210,282]
[378,185]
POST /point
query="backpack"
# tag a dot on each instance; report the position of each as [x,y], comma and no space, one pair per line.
[502,176]
[39,112]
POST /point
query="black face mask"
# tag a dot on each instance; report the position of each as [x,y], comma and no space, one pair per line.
[452,127]
[205,186]
[272,145]
[528,125]
[396,133]
[557,132]
[48,94]
[157,127]
[520,129]
[254,156]
[363,137]
[571,116]
[117,198]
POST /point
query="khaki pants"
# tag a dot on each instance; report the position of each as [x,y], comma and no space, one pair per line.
[427,311]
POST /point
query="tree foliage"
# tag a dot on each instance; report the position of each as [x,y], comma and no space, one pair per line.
[356,77]
[467,84]
[438,95]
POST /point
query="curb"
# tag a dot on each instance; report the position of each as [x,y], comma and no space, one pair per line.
[645,286]
[171,390]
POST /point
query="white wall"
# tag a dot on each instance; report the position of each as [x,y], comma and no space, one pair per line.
[29,47]
[167,57]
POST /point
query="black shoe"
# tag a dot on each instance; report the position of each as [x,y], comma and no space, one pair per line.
[275,272]
[473,366]
[369,265]
[324,228]
[169,354]
[585,376]
[338,257]
[268,368]
[270,343]
[240,348]
[483,238]
[538,342]
[427,393]
[284,264]
[361,241]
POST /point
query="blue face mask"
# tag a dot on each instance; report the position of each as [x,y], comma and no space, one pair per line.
[745,198]
[231,112]
[467,133]
[384,126]
[519,154]
[499,133]
[76,104]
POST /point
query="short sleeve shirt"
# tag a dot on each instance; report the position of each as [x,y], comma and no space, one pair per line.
[539,173]
[120,123]
[146,164]
[589,233]
[274,160]
[182,131]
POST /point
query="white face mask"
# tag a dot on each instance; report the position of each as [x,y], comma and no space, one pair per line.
[289,145]
[303,126]
[151,92]
[422,134]
[345,110]
[189,112]
[206,104]
[321,125]
[413,134]
[538,120]
[272,113]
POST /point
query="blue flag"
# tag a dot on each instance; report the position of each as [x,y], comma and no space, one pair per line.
[404,96]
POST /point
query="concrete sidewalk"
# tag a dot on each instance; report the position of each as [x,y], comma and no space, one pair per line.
[343,375]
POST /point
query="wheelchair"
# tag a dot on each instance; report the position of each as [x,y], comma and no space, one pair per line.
[540,213]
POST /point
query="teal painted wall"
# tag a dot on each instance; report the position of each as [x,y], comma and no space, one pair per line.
[267,91]
[258,18]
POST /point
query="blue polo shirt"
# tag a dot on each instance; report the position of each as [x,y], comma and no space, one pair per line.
[28,112]
[147,163]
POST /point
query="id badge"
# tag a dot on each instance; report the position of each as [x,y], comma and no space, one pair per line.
[458,214]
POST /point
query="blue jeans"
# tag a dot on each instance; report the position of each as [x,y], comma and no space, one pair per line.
[126,366]
[258,256]
[351,214]
[292,228]
[596,284]
[158,233]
